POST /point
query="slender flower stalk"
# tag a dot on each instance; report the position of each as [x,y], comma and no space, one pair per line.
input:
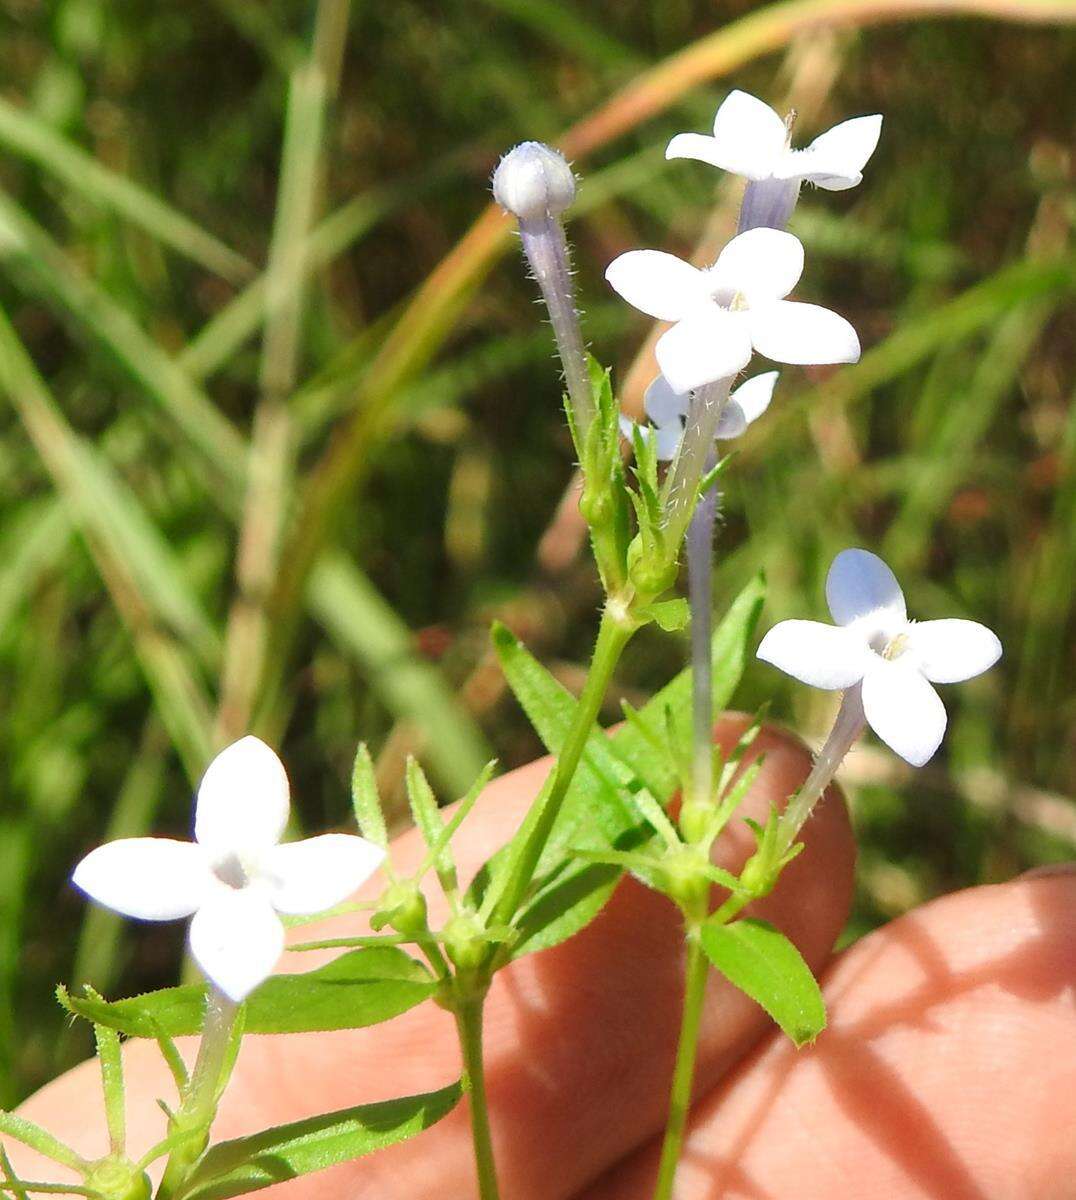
[846,730]
[700,572]
[207,1082]
[696,450]
[535,185]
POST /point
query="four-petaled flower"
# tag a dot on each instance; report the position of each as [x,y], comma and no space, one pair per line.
[751,139]
[874,645]
[668,411]
[737,305]
[234,878]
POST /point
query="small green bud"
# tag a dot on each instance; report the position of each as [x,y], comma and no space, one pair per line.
[118,1179]
[649,569]
[758,875]
[695,819]
[465,942]
[685,878]
[403,907]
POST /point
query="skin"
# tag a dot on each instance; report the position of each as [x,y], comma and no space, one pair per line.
[948,1068]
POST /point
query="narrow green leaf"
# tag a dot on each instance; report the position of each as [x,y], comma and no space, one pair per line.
[366,800]
[463,808]
[119,541]
[362,988]
[361,621]
[41,1140]
[12,1182]
[424,808]
[108,1055]
[24,133]
[288,1151]
[761,961]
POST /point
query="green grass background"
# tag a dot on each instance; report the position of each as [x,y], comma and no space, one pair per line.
[140,157]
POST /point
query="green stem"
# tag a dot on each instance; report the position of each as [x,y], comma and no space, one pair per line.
[695,973]
[613,635]
[199,1105]
[469,1026]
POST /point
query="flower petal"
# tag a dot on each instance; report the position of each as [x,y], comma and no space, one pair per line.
[242,800]
[763,265]
[824,656]
[656,283]
[903,710]
[748,138]
[790,332]
[754,396]
[709,344]
[154,879]
[732,422]
[314,874]
[237,939]
[663,405]
[667,439]
[950,651]
[836,159]
[859,583]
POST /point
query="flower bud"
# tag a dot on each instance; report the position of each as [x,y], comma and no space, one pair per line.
[533,181]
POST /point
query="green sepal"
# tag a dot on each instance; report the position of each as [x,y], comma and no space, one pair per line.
[670,615]
[427,814]
[366,800]
[285,1152]
[760,961]
[355,990]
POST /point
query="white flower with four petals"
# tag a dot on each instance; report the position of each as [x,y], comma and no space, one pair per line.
[876,647]
[750,139]
[724,312]
[234,878]
[668,411]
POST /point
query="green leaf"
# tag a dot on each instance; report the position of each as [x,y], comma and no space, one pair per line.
[362,988]
[365,799]
[762,962]
[601,810]
[427,815]
[249,1163]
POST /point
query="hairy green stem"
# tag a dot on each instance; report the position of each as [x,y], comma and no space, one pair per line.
[469,1026]
[199,1105]
[613,635]
[695,973]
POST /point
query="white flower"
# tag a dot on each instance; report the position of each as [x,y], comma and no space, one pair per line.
[874,644]
[234,878]
[751,139]
[725,311]
[668,411]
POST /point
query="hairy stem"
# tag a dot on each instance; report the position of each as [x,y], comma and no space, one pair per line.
[695,972]
[613,635]
[546,249]
[700,571]
[469,1027]
[199,1105]
[846,730]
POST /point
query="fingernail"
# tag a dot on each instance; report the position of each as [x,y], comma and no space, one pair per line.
[1050,870]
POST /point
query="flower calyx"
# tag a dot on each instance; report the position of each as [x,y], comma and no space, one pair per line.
[115,1178]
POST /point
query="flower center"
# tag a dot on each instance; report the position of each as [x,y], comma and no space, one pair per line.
[231,871]
[889,648]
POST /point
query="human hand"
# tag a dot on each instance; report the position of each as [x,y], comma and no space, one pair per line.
[948,1069]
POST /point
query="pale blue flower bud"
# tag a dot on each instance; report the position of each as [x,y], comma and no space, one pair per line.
[533,181]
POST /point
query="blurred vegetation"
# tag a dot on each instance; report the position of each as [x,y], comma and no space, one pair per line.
[409,456]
